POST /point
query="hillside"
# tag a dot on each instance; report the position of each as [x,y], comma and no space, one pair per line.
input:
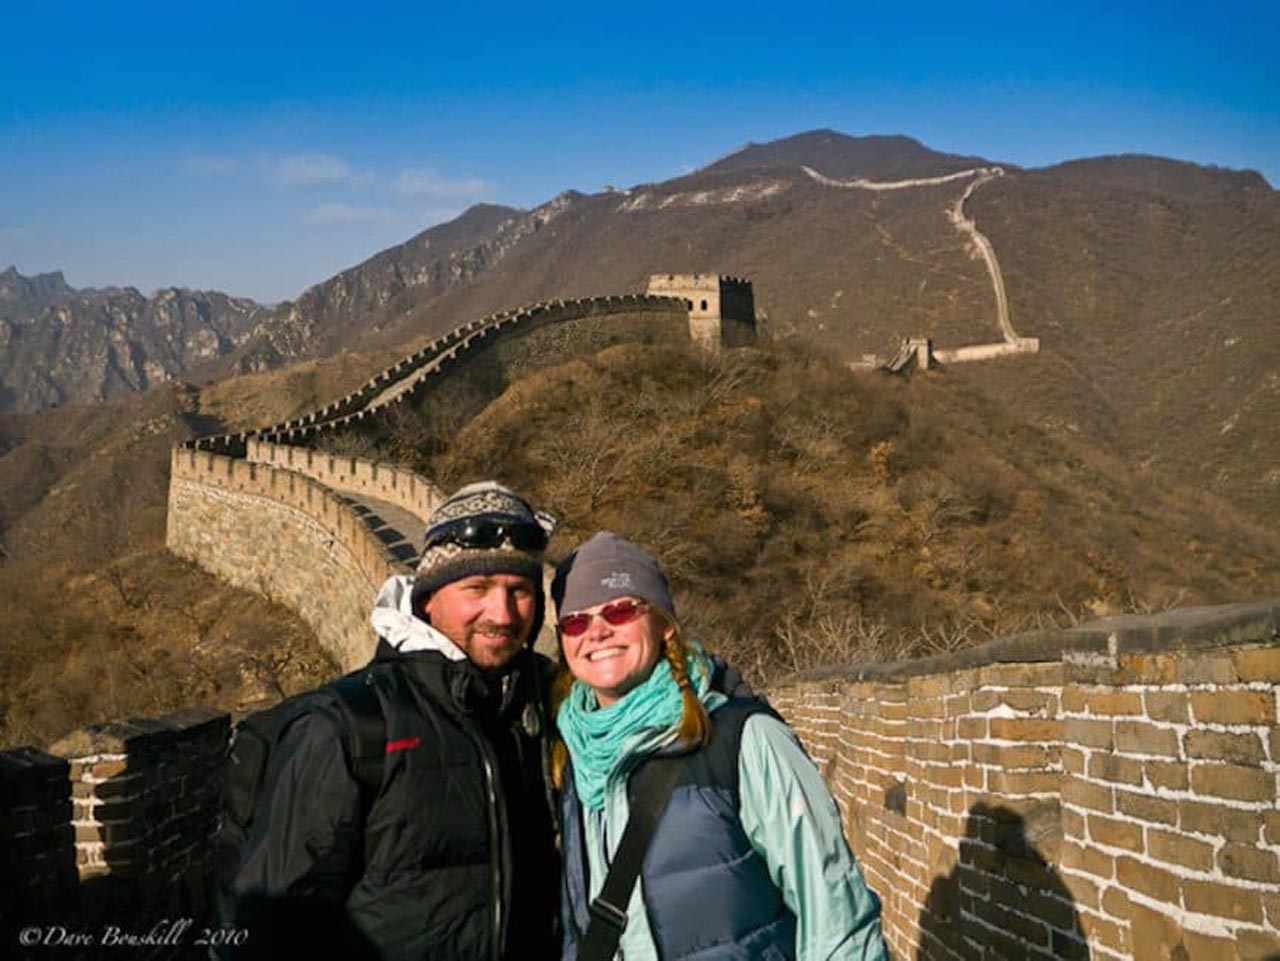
[852,269]
[809,515]
[100,621]
[60,345]
[1154,288]
[1150,282]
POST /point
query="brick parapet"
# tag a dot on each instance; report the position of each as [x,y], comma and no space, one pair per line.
[462,345]
[290,489]
[37,857]
[1095,645]
[1110,789]
[410,373]
[285,536]
[133,802]
[404,488]
[144,793]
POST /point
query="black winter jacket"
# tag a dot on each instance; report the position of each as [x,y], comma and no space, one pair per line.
[458,857]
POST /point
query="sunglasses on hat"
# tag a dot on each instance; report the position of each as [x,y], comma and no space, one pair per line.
[488,532]
[615,615]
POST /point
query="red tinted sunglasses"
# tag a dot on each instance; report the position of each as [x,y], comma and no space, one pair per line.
[615,614]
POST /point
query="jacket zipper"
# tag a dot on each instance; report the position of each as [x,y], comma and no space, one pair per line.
[495,841]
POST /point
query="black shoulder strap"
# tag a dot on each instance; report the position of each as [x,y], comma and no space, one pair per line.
[367,730]
[609,909]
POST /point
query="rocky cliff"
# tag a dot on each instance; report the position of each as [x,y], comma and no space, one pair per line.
[358,304]
[60,345]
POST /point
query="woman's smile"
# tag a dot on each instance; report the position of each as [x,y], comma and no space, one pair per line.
[612,658]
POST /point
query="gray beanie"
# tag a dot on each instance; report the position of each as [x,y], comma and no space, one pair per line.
[607,567]
[490,501]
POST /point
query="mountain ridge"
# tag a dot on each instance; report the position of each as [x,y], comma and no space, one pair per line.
[60,344]
[1099,256]
[1125,465]
[883,156]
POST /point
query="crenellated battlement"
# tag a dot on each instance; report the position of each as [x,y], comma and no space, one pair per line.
[395,485]
[1103,792]
[259,508]
[404,379]
[287,536]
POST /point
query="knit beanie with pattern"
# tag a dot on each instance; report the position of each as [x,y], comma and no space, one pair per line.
[446,562]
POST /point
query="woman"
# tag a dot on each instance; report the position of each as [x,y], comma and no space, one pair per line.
[748,859]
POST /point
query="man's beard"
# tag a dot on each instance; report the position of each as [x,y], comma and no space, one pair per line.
[508,650]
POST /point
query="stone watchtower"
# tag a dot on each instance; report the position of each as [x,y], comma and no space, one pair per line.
[722,310]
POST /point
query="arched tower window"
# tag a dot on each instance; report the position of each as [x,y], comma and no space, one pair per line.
[704,305]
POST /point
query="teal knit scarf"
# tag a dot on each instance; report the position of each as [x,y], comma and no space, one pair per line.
[602,739]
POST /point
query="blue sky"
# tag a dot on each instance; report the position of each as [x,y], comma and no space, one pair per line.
[260,148]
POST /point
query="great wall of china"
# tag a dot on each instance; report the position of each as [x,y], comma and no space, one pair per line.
[1106,792]
[919,352]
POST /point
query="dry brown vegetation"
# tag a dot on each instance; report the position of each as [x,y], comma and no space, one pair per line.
[1152,284]
[809,516]
[141,635]
[99,621]
[1153,287]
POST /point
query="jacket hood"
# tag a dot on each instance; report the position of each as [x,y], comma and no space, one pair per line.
[394,621]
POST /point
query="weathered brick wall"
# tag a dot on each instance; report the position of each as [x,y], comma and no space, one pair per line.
[37,857]
[284,536]
[1106,792]
[114,823]
[144,794]
[558,341]
[395,485]
[960,355]
[1170,801]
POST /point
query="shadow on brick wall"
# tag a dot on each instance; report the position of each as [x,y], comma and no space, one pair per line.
[38,880]
[105,839]
[1003,899]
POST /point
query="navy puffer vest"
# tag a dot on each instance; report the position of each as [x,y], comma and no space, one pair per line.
[706,890]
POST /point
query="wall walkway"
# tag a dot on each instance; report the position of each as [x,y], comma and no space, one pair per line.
[319,533]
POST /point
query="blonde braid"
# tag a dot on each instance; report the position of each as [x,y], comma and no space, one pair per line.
[560,686]
[695,723]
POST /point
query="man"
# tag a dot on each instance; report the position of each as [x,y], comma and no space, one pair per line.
[456,857]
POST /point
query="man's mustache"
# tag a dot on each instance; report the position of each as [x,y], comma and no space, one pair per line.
[497,630]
